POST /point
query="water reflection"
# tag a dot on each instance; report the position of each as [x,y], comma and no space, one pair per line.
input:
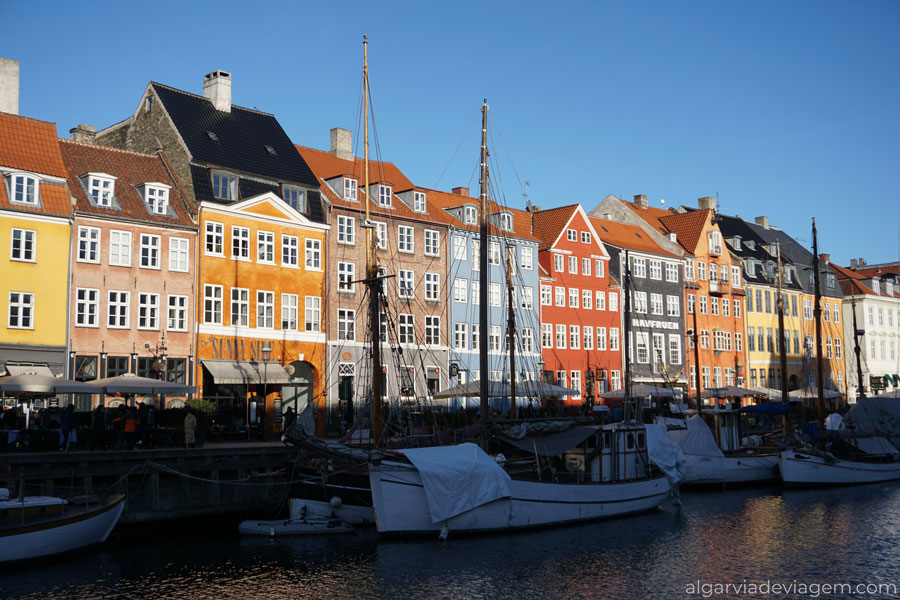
[842,535]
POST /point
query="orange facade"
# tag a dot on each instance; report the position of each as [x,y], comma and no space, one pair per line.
[261,277]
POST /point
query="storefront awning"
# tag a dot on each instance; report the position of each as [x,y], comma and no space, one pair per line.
[246,372]
[36,369]
[896,378]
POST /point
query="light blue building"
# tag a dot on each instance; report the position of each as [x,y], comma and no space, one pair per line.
[511,237]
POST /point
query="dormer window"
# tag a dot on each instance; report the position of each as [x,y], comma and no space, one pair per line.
[102,188]
[876,285]
[419,202]
[295,197]
[830,281]
[350,189]
[787,274]
[24,189]
[506,221]
[751,268]
[888,288]
[156,195]
[715,242]
[384,195]
[224,186]
[271,151]
[470,215]
[736,242]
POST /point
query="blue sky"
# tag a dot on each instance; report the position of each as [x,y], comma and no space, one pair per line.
[784,109]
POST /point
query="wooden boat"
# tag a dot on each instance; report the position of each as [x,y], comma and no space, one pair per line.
[39,526]
[804,468]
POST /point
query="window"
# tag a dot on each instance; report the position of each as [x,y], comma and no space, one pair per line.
[561,336]
[640,302]
[672,272]
[506,222]
[573,265]
[89,244]
[289,311]
[148,311]
[808,311]
[433,330]
[346,230]
[639,267]
[157,198]
[476,255]
[176,316]
[294,197]
[614,301]
[494,253]
[571,235]
[528,298]
[689,269]
[703,302]
[21,310]
[838,352]
[601,339]
[691,303]
[655,269]
[726,307]
[704,339]
[350,189]
[673,306]
[735,276]
[432,286]
[405,238]
[346,275]
[599,268]
[527,339]
[494,292]
[460,289]
[87,305]
[290,251]
[214,238]
[265,309]
[24,189]
[476,292]
[459,247]
[22,245]
[573,297]
[346,324]
[656,304]
[585,266]
[574,337]
[714,305]
[494,338]
[224,186]
[614,338]
[314,254]
[117,310]
[585,237]
[836,313]
[737,307]
[419,204]
[546,295]
[586,299]
[240,243]
[558,261]
[101,188]
[546,335]
[560,296]
[642,346]
[600,296]
[265,247]
[405,283]
[149,251]
[460,336]
[212,304]
[674,349]
[715,242]
[407,329]
[739,341]
[178,254]
[240,307]
[526,257]
[313,313]
[470,215]
[576,383]
[384,195]
[432,242]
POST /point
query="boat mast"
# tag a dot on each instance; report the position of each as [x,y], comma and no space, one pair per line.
[696,338]
[511,331]
[626,346]
[817,313]
[860,387]
[483,287]
[372,280]
[782,354]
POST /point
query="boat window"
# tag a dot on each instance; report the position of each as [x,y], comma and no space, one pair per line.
[640,440]
[630,441]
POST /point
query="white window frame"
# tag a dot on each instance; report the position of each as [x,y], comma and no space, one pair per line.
[177,312]
[406,283]
[346,230]
[432,242]
[215,235]
[346,277]
[224,182]
[27,186]
[290,251]
[313,254]
[87,307]
[156,195]
[432,330]
[432,287]
[102,189]
[148,311]
[351,189]
[179,254]
[89,244]
[671,272]
[290,312]
[265,309]
[118,319]
[153,245]
[384,195]
[406,239]
[26,248]
[212,304]
[21,308]
[240,243]
[265,247]
[312,313]
[420,202]
[460,290]
[526,257]
[295,197]
[406,328]
[546,295]
[346,322]
[240,307]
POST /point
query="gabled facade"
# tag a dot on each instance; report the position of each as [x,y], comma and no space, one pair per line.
[510,243]
[261,274]
[581,328]
[133,284]
[411,251]
[35,241]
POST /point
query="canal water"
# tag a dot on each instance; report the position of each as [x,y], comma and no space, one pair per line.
[743,537]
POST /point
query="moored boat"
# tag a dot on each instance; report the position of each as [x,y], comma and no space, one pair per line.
[805,468]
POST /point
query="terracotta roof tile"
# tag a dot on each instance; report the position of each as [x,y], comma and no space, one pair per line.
[651,214]
[449,200]
[131,169]
[326,165]
[623,235]
[549,223]
[688,227]
[30,145]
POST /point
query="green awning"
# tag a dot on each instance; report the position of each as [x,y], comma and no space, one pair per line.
[896,378]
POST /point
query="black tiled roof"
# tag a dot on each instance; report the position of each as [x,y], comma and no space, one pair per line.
[202,183]
[315,209]
[250,188]
[242,137]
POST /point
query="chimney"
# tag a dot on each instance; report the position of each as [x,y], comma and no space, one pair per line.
[533,208]
[862,262]
[461,191]
[763,222]
[640,200]
[825,258]
[342,143]
[9,86]
[83,133]
[217,88]
[853,263]
[706,202]
[608,216]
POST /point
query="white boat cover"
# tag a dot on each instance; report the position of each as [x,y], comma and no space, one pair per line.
[877,446]
[696,439]
[665,454]
[834,421]
[458,478]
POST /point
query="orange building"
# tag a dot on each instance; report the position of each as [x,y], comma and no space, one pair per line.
[260,331]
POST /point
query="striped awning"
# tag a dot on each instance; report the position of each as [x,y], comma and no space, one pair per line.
[36,369]
[246,372]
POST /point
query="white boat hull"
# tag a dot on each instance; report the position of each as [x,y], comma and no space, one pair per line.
[401,505]
[45,538]
[805,469]
[730,469]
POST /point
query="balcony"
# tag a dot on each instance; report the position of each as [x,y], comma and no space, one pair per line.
[719,288]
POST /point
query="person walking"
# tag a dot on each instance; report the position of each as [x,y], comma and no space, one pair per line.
[65,426]
[131,427]
[190,429]
[98,426]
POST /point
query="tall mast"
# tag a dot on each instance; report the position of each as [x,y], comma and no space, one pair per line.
[817,313]
[860,387]
[626,345]
[783,343]
[511,331]
[696,338]
[372,280]
[483,287]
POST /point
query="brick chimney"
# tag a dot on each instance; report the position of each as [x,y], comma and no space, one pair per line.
[9,86]
[640,200]
[461,191]
[83,133]
[217,88]
[763,222]
[853,263]
[342,143]
[825,258]
[861,262]
[706,202]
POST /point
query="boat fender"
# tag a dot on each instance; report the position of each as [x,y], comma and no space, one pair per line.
[272,531]
[335,502]
[444,533]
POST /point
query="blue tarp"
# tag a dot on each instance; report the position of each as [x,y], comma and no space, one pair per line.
[767,409]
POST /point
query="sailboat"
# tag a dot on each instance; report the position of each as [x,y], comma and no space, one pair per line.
[863,451]
[580,473]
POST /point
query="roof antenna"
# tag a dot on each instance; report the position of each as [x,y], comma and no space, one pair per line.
[525,195]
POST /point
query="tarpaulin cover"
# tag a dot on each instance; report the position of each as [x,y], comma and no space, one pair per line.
[834,421]
[552,444]
[878,414]
[877,446]
[665,454]
[458,478]
[695,439]
[767,409]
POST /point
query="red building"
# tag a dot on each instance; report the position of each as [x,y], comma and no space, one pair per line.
[580,316]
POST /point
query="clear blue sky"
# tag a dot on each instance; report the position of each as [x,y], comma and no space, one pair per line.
[785,109]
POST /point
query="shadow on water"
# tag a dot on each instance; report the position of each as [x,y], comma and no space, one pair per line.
[815,536]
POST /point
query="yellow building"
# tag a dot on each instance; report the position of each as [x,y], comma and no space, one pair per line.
[35,227]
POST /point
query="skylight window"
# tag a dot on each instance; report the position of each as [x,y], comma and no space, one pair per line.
[212,136]
[271,151]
